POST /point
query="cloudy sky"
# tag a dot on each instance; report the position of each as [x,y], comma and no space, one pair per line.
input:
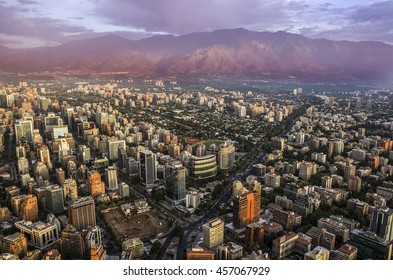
[31,23]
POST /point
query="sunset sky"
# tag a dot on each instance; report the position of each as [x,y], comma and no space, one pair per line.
[32,23]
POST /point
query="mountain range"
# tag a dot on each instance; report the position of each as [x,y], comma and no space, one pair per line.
[232,52]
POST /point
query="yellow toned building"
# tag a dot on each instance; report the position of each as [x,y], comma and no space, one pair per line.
[33,255]
[29,208]
[15,244]
[318,254]
[4,214]
[213,233]
[52,255]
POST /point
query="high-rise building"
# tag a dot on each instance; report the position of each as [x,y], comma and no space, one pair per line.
[70,189]
[202,167]
[349,170]
[246,209]
[148,167]
[60,175]
[54,199]
[123,189]
[84,153]
[132,167]
[23,166]
[255,233]
[44,155]
[226,155]
[94,184]
[15,244]
[382,222]
[370,245]
[306,170]
[24,128]
[213,233]
[174,150]
[113,148]
[81,212]
[72,245]
[39,234]
[176,181]
[111,178]
[25,207]
[29,208]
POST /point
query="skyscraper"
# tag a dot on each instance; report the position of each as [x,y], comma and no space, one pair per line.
[54,196]
[246,209]
[176,181]
[113,148]
[111,178]
[226,155]
[213,233]
[81,212]
[148,167]
[24,128]
[382,222]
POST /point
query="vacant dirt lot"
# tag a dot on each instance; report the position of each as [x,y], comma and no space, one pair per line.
[143,225]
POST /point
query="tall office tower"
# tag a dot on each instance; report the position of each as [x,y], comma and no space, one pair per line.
[81,212]
[382,222]
[72,245]
[84,153]
[213,233]
[24,128]
[113,148]
[122,158]
[176,181]
[148,167]
[54,199]
[39,234]
[94,184]
[174,150]
[60,175]
[111,178]
[44,155]
[70,189]
[64,149]
[132,167]
[15,244]
[4,214]
[20,151]
[226,155]
[246,209]
[349,171]
[23,166]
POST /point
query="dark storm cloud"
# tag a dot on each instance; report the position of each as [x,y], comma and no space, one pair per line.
[27,2]
[13,22]
[179,17]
